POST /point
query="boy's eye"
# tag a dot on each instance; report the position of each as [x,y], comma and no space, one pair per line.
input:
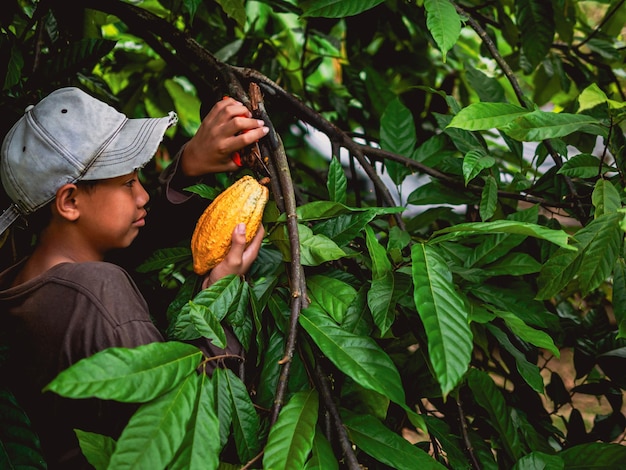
[130,183]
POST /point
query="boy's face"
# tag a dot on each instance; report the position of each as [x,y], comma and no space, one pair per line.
[112,212]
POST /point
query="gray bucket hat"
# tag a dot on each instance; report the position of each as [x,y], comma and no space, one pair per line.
[67,137]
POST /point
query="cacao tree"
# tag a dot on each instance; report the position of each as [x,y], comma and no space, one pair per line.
[443,281]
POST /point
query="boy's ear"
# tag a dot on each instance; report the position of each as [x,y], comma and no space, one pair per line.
[65,202]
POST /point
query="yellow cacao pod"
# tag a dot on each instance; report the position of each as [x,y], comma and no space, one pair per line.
[243,201]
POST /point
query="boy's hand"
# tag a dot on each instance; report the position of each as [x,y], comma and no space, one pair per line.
[239,257]
[227,128]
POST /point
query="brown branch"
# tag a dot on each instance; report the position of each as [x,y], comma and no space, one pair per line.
[324,387]
[466,440]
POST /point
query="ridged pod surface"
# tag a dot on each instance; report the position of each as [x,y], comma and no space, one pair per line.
[243,201]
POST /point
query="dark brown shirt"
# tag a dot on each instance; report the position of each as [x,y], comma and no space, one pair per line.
[70,312]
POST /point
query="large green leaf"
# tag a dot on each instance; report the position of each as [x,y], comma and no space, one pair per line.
[583,165]
[314,249]
[494,246]
[535,21]
[217,299]
[331,294]
[444,315]
[154,433]
[539,461]
[605,198]
[530,372]
[558,237]
[359,357]
[224,404]
[484,116]
[200,449]
[533,336]
[597,247]
[377,440]
[246,423]
[322,457]
[397,133]
[443,22]
[96,448]
[491,400]
[488,198]
[541,125]
[128,374]
[207,325]
[165,257]
[380,297]
[336,182]
[290,439]
[594,456]
[336,8]
[474,162]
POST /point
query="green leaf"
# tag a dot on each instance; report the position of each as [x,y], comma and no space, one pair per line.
[605,198]
[488,198]
[322,456]
[235,9]
[200,450]
[320,210]
[593,96]
[224,403]
[380,262]
[203,190]
[218,298]
[513,264]
[96,448]
[165,257]
[443,22]
[377,440]
[246,422]
[539,461]
[314,249]
[530,372]
[484,116]
[448,440]
[128,374]
[344,228]
[444,315]
[594,456]
[290,439]
[542,125]
[19,444]
[558,237]
[597,247]
[535,21]
[474,162]
[207,325]
[336,182]
[336,8]
[491,400]
[356,356]
[397,133]
[536,337]
[583,165]
[491,248]
[154,433]
[333,295]
[383,296]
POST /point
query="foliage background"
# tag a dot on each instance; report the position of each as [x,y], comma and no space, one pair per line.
[450,225]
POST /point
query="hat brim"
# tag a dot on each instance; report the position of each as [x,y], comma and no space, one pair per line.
[131,148]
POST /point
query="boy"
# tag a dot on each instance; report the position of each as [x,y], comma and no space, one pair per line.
[70,165]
